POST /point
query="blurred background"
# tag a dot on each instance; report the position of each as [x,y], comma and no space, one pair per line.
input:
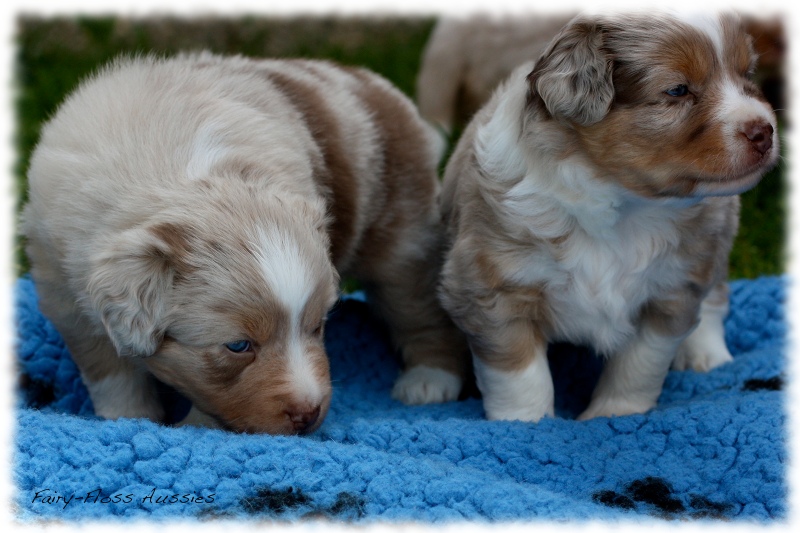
[54,53]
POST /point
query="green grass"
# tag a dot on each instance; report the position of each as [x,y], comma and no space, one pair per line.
[54,54]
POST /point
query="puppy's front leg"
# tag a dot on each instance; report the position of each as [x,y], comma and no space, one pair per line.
[512,372]
[631,381]
[516,385]
[119,387]
[705,348]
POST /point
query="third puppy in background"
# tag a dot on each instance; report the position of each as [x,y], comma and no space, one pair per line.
[594,200]
[465,59]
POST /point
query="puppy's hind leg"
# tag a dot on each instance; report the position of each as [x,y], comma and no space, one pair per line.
[705,348]
[434,353]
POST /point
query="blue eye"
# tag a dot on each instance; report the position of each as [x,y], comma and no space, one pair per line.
[239,346]
[678,91]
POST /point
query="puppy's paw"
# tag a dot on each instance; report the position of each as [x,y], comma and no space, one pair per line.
[526,413]
[608,407]
[422,384]
[701,352]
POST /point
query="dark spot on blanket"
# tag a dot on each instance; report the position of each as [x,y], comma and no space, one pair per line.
[655,491]
[37,393]
[274,501]
[613,499]
[348,504]
[705,508]
[207,514]
[774,383]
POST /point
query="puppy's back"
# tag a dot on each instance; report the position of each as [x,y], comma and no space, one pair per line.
[301,126]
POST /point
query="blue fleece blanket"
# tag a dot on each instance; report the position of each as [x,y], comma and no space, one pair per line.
[715,447]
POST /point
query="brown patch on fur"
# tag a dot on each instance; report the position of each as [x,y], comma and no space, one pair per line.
[506,329]
[503,321]
[260,320]
[653,157]
[531,302]
[675,316]
[510,347]
[489,272]
[179,245]
[335,173]
[408,174]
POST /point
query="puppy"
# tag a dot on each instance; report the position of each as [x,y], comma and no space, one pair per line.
[190,218]
[593,200]
[465,60]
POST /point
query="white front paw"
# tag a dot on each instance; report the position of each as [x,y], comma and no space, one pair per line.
[705,349]
[523,411]
[422,385]
[607,407]
[702,351]
[525,394]
[701,361]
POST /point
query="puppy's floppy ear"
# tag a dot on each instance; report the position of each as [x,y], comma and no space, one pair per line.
[574,75]
[129,285]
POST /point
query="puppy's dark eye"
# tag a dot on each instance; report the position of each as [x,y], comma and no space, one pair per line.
[318,330]
[678,91]
[239,346]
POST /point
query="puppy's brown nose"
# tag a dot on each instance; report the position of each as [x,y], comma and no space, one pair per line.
[303,418]
[760,135]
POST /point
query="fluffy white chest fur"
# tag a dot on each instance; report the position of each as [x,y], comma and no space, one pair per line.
[609,252]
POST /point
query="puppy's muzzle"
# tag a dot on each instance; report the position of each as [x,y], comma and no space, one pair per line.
[303,418]
[759,133]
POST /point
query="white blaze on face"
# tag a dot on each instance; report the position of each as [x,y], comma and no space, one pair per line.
[287,274]
[737,109]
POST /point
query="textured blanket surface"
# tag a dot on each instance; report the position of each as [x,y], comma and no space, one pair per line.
[715,447]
